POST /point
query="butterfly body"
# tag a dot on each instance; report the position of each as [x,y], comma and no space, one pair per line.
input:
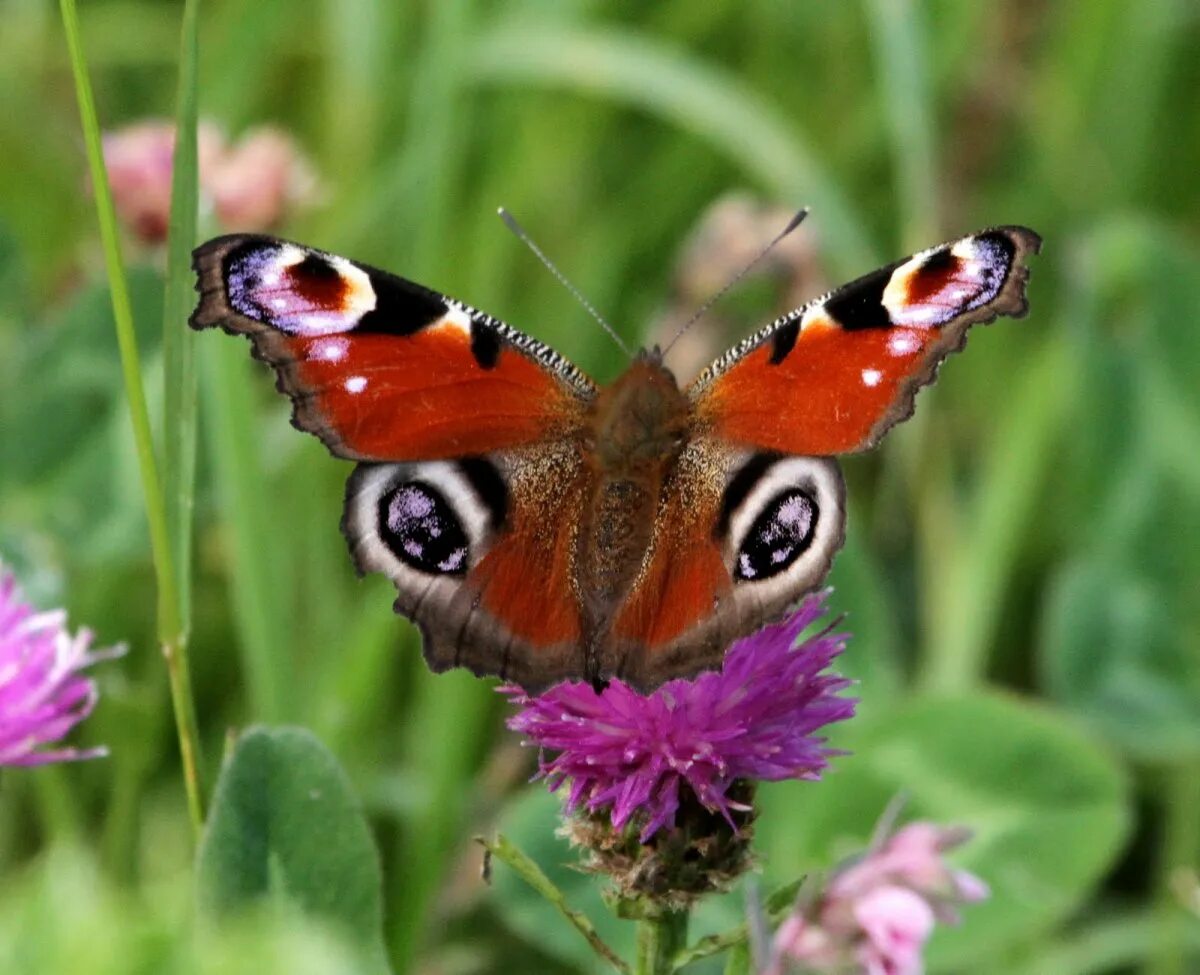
[539,526]
[637,427]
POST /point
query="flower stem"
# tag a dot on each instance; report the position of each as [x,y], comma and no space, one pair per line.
[170,620]
[502,849]
[660,937]
[778,905]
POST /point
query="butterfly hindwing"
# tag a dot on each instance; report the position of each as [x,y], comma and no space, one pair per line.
[834,376]
[480,551]
[381,368]
[741,536]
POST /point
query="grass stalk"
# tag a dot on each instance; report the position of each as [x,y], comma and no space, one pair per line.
[502,849]
[972,581]
[179,369]
[232,441]
[170,620]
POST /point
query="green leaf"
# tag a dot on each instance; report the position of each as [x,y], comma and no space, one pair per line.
[1049,810]
[1111,650]
[286,832]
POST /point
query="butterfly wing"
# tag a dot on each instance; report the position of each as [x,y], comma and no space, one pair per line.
[381,368]
[755,510]
[834,376]
[468,433]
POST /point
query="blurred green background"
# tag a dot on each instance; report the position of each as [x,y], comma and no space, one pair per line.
[1022,574]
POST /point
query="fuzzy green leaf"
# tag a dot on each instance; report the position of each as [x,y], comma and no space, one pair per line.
[286,830]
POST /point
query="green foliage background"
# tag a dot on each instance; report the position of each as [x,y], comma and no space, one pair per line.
[1023,569]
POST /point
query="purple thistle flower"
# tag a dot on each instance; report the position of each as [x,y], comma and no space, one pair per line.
[754,719]
[42,693]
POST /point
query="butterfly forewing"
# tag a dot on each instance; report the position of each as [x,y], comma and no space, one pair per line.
[834,376]
[381,368]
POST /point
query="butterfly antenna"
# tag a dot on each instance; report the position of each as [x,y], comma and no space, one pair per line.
[703,309]
[511,223]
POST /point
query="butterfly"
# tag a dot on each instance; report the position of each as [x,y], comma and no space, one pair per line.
[539,526]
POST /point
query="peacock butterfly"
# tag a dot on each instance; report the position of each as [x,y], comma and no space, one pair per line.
[540,527]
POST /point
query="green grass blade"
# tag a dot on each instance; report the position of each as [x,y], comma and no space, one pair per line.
[233,443]
[179,400]
[169,618]
[179,370]
[451,716]
[694,95]
[976,574]
[901,57]
[1109,942]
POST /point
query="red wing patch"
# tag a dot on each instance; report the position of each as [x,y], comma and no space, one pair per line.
[832,377]
[685,578]
[526,579]
[378,367]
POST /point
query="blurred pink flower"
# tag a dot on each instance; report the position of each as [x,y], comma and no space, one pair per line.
[250,185]
[913,858]
[138,158]
[876,913]
[259,179]
[896,923]
[42,692]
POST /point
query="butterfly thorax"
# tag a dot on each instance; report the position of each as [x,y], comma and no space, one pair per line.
[638,423]
[637,427]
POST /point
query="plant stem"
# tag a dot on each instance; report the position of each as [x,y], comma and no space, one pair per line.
[1180,851]
[504,850]
[170,622]
[660,937]
[736,941]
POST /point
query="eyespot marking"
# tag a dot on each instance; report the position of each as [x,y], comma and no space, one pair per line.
[421,529]
[781,533]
